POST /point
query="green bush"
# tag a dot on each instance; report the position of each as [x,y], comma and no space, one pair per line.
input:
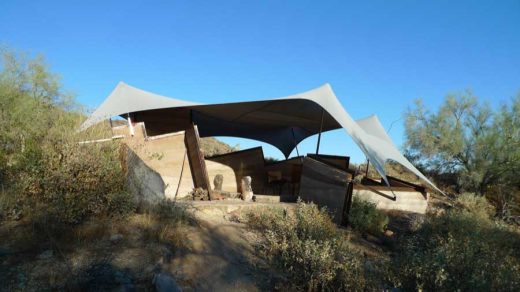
[477,205]
[44,172]
[74,182]
[171,211]
[461,250]
[365,218]
[306,247]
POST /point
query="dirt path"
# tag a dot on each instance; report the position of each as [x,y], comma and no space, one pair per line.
[220,257]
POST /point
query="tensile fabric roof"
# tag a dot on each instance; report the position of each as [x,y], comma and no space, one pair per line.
[282,122]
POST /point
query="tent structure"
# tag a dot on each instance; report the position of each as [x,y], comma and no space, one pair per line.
[281,122]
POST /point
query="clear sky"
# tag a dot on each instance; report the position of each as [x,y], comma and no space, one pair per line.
[378,55]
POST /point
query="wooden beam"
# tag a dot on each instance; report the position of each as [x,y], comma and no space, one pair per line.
[196,159]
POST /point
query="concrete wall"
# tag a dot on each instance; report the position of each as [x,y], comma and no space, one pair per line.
[230,178]
[164,155]
[235,165]
[409,201]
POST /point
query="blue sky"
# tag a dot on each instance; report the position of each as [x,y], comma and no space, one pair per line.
[378,55]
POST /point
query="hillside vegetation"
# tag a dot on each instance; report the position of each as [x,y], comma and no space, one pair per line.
[45,173]
[211,147]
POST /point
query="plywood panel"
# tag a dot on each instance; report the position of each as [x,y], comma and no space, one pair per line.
[285,166]
[324,185]
[339,161]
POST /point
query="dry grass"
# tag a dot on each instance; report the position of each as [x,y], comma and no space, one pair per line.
[77,250]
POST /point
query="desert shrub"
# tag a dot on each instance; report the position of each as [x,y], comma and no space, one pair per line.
[307,248]
[45,173]
[477,205]
[365,218]
[462,249]
[171,211]
[164,223]
[120,204]
[267,218]
[74,182]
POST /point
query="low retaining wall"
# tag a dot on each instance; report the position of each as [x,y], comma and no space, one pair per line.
[405,200]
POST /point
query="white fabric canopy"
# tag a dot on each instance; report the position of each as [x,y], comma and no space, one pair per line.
[282,122]
[126,99]
[372,126]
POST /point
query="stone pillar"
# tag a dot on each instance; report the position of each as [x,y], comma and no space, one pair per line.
[217,182]
[247,191]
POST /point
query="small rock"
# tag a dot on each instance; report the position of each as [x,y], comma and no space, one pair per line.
[389,233]
[116,238]
[165,283]
[46,255]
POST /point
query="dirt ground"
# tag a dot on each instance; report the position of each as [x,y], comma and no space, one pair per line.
[221,257]
[214,253]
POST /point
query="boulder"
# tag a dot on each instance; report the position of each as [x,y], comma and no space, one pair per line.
[164,282]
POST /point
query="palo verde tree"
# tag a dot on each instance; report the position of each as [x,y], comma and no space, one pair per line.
[469,141]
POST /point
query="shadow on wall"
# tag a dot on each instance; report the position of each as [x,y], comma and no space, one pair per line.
[144,183]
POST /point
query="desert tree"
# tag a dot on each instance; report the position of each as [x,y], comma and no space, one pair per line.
[469,141]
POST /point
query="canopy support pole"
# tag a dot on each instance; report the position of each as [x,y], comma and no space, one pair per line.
[294,141]
[111,126]
[319,134]
[368,164]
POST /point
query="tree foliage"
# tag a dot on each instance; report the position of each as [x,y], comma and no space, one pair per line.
[468,141]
